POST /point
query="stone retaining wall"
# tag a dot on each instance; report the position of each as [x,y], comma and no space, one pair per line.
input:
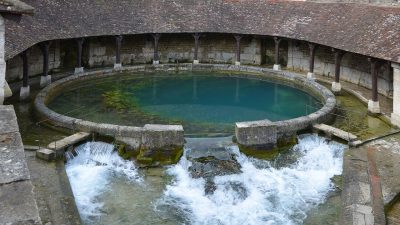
[354,68]
[17,198]
[247,133]
[168,135]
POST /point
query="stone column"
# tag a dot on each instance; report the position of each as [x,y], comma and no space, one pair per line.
[238,38]
[395,117]
[336,86]
[79,68]
[45,79]
[3,82]
[373,103]
[277,66]
[25,89]
[196,48]
[313,47]
[156,59]
[118,42]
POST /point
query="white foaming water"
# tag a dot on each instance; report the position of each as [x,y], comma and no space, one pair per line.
[273,195]
[89,173]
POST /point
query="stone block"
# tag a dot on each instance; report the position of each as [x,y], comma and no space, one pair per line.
[336,87]
[67,141]
[373,107]
[45,154]
[24,93]
[79,70]
[132,132]
[117,66]
[277,67]
[159,136]
[257,133]
[45,80]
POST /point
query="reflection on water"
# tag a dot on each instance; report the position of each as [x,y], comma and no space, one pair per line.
[112,191]
[201,102]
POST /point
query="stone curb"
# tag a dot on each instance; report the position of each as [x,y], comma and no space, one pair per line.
[283,128]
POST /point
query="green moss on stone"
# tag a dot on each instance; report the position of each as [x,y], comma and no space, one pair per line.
[124,153]
[260,153]
[166,156]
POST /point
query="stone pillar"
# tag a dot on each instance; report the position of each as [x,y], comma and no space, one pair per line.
[238,38]
[79,68]
[118,42]
[45,79]
[277,66]
[373,103]
[336,86]
[25,89]
[395,117]
[156,59]
[196,48]
[3,82]
[313,47]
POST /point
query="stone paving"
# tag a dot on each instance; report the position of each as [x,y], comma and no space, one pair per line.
[52,191]
[17,202]
[371,183]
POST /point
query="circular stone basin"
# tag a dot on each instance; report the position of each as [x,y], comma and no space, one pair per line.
[204,103]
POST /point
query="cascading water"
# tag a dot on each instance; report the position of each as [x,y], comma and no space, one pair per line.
[89,173]
[261,192]
[271,195]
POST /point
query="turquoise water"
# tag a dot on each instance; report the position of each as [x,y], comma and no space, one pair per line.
[204,103]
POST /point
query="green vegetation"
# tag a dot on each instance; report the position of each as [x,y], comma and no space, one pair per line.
[154,157]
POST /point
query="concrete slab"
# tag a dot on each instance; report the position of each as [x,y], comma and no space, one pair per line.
[356,191]
[68,141]
[17,204]
[52,192]
[45,154]
[335,132]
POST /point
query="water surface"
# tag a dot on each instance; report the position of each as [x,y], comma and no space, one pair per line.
[202,102]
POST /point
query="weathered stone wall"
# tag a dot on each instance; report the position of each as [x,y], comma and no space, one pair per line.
[147,137]
[35,62]
[17,199]
[213,48]
[354,68]
[2,61]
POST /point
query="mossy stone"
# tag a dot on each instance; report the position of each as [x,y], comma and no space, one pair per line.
[153,157]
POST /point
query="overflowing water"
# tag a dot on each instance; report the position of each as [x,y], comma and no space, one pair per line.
[89,173]
[282,191]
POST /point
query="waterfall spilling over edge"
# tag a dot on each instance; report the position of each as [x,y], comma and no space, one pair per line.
[274,195]
[89,172]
